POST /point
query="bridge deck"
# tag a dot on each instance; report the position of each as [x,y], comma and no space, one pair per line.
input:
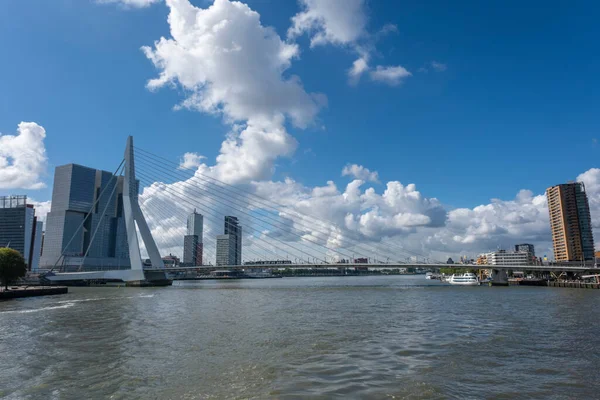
[573,268]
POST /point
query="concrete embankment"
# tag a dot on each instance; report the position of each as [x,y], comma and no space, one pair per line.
[31,291]
[574,284]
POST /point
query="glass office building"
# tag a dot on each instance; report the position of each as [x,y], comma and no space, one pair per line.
[192,242]
[19,229]
[85,228]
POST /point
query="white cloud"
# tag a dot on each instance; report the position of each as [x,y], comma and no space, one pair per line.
[191,160]
[438,66]
[392,75]
[231,65]
[591,180]
[23,159]
[343,23]
[131,3]
[338,22]
[359,66]
[360,172]
[42,208]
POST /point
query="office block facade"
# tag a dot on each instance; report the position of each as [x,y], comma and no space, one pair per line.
[234,230]
[85,228]
[192,242]
[226,250]
[19,228]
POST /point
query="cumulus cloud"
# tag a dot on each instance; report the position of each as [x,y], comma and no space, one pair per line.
[338,22]
[131,3]
[191,160]
[360,172]
[23,160]
[354,211]
[359,66]
[591,180]
[390,75]
[231,65]
[343,23]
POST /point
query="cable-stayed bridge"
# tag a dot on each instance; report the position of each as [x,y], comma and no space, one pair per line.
[273,229]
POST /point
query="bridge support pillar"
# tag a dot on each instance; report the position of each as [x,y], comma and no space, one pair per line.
[499,277]
[134,216]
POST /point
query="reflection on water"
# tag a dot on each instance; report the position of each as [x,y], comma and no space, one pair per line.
[359,337]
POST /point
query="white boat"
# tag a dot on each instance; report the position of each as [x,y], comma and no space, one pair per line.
[429,275]
[466,279]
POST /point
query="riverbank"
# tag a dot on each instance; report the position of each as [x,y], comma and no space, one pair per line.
[574,284]
[31,291]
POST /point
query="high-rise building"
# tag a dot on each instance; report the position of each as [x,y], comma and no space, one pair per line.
[195,224]
[226,250]
[526,247]
[570,222]
[37,246]
[20,230]
[192,242]
[234,230]
[85,219]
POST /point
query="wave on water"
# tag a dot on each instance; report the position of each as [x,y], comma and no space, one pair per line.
[106,298]
[71,303]
[66,305]
[90,299]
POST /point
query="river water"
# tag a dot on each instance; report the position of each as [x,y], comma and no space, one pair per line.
[398,337]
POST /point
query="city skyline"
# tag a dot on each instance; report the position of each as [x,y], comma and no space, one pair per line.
[283,150]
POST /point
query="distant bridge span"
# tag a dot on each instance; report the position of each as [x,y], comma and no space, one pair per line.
[207,268]
[119,275]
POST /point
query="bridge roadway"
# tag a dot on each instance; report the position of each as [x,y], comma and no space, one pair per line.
[541,268]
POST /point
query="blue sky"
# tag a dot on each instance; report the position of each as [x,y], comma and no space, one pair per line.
[520,84]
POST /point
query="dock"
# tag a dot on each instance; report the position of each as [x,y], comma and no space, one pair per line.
[574,284]
[31,291]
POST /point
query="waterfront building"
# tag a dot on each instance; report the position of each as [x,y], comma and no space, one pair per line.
[85,228]
[20,230]
[503,257]
[234,230]
[170,261]
[525,247]
[570,222]
[192,241]
[226,250]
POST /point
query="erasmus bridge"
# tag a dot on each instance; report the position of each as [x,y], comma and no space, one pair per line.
[272,231]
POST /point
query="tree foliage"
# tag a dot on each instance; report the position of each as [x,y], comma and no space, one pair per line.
[12,266]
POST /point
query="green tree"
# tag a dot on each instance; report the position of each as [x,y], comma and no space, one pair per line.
[12,266]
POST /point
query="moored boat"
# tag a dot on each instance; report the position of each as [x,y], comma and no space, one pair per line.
[466,279]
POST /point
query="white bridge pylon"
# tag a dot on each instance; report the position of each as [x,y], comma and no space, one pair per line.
[133,215]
